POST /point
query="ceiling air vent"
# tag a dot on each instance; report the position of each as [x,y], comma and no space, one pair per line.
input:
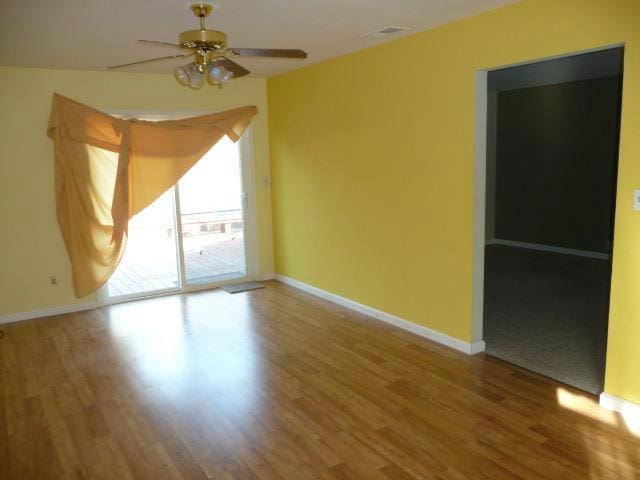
[384,32]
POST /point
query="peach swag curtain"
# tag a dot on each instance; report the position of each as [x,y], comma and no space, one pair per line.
[108,169]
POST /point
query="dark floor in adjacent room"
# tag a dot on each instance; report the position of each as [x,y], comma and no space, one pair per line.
[547,312]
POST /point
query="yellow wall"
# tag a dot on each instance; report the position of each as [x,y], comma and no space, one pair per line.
[31,248]
[372,166]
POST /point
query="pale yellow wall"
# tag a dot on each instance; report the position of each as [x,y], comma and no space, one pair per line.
[31,248]
[372,164]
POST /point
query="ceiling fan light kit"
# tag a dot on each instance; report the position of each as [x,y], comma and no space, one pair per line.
[193,75]
[212,55]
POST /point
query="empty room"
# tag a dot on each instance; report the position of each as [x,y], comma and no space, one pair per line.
[285,240]
[552,151]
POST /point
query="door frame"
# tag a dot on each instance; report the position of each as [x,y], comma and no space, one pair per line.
[246,149]
[480,185]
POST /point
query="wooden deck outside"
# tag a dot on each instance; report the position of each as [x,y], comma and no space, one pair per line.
[208,258]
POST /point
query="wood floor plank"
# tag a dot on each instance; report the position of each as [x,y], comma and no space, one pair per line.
[275,384]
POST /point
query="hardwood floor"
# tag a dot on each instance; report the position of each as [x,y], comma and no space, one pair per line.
[276,384]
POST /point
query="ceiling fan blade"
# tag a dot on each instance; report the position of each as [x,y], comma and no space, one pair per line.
[160,44]
[148,61]
[238,70]
[268,52]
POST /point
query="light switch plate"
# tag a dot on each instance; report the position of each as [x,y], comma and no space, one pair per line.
[636,200]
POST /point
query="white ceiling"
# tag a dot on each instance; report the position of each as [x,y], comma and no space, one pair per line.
[92,34]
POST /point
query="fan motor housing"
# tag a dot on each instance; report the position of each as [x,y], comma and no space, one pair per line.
[212,39]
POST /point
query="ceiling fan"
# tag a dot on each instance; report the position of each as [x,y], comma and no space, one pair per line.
[212,55]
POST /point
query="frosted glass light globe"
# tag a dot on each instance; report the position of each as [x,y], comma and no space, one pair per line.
[226,78]
[197,80]
[216,74]
[181,76]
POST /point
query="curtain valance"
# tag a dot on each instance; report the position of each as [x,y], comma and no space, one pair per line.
[108,169]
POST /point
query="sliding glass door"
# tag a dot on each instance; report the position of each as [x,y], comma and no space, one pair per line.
[211,217]
[192,237]
[150,262]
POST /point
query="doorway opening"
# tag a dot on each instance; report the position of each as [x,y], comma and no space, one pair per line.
[197,235]
[550,174]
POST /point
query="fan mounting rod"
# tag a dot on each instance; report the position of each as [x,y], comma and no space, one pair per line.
[201,10]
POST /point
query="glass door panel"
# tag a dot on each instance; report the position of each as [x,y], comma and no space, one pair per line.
[212,217]
[149,264]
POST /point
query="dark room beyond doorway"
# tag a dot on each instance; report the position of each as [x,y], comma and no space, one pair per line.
[552,149]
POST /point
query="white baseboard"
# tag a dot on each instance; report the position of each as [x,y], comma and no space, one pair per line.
[47,312]
[465,347]
[267,276]
[620,405]
[629,411]
[548,248]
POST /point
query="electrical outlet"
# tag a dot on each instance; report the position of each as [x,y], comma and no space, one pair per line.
[53,280]
[636,200]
